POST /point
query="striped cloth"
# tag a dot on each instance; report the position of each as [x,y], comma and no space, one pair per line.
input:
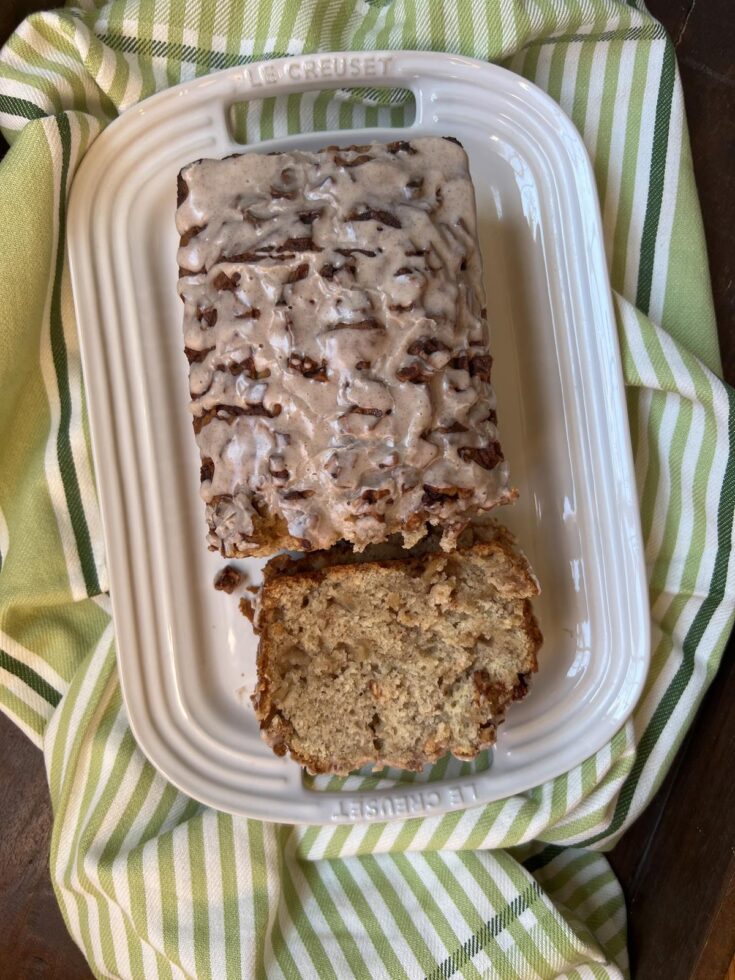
[152,884]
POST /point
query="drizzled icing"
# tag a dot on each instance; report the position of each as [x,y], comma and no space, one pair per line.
[333,321]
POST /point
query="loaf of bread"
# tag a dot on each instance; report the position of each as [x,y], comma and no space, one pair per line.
[375,659]
[337,340]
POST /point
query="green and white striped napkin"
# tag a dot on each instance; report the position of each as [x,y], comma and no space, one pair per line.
[152,884]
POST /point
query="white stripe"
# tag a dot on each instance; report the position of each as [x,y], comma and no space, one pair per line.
[323,836]
[720,429]
[134,84]
[570,70]
[611,926]
[543,67]
[119,905]
[352,841]
[34,661]
[632,326]
[495,867]
[536,16]
[643,171]
[657,537]
[508,39]
[479,27]
[451,26]
[594,97]
[462,829]
[676,570]
[215,894]
[666,670]
[151,939]
[574,788]
[617,146]
[272,863]
[244,879]
[150,964]
[181,870]
[26,694]
[500,835]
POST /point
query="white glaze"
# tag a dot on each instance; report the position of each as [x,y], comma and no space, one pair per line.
[342,448]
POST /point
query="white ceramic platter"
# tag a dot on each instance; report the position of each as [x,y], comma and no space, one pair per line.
[186,654]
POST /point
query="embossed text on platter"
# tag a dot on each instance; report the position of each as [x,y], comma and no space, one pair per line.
[403,804]
[326,67]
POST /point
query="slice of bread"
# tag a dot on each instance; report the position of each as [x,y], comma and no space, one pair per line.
[387,660]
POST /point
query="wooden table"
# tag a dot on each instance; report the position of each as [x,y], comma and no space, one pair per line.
[677,864]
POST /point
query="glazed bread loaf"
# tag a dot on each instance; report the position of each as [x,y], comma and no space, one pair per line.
[337,340]
[373,659]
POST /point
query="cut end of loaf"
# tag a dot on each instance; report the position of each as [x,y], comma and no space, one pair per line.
[385,660]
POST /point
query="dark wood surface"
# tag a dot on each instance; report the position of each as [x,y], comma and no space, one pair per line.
[677,863]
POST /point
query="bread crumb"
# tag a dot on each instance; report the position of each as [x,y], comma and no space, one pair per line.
[228,579]
[247,608]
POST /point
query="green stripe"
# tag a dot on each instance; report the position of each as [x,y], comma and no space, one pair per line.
[18,711]
[201,58]
[58,349]
[647,32]
[20,107]
[168,916]
[282,953]
[30,678]
[544,857]
[199,898]
[656,179]
[230,896]
[259,877]
[489,932]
